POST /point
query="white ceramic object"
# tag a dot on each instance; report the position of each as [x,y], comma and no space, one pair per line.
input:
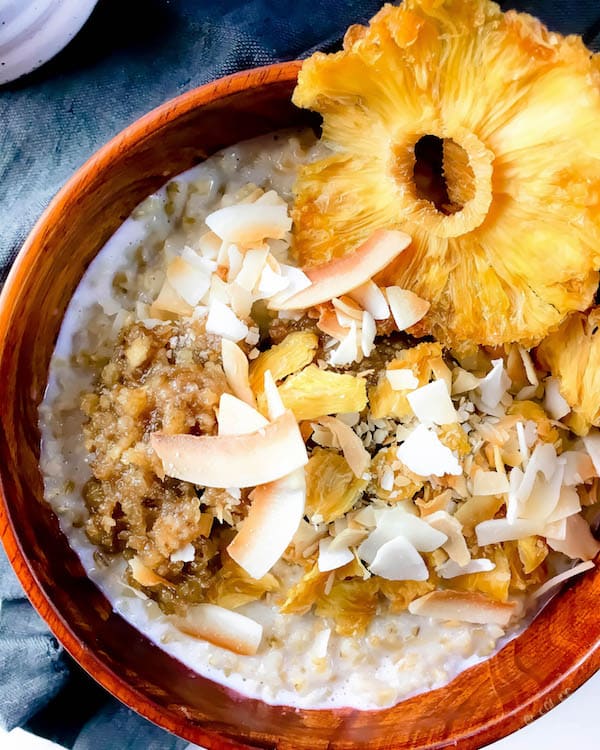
[33,31]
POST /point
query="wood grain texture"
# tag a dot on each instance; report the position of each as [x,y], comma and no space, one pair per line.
[552,658]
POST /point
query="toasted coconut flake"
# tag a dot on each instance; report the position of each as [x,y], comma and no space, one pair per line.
[402,379]
[223,322]
[297,281]
[464,381]
[347,351]
[346,308]
[499,530]
[554,403]
[235,258]
[208,265]
[490,483]
[190,282]
[236,417]
[332,558]
[221,627]
[578,544]
[568,505]
[184,554]
[407,308]
[538,493]
[235,366]
[145,576]
[255,458]
[370,297]
[252,268]
[342,275]
[455,546]
[368,332]
[271,282]
[209,245]
[170,301]
[592,446]
[556,530]
[494,385]
[394,522]
[557,580]
[398,560]
[275,407]
[451,569]
[578,468]
[247,224]
[529,366]
[273,519]
[432,403]
[424,453]
[352,447]
[463,606]
[328,323]
[347,538]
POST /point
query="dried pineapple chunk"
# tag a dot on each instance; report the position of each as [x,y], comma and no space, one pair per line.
[331,487]
[401,593]
[494,583]
[295,352]
[529,410]
[232,587]
[521,556]
[386,402]
[313,393]
[351,604]
[516,109]
[532,552]
[303,594]
[572,355]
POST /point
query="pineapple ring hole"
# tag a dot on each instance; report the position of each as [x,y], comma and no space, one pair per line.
[442,174]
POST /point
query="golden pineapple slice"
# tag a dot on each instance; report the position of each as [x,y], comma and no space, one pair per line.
[232,587]
[401,593]
[384,401]
[513,245]
[303,594]
[313,393]
[572,355]
[297,350]
[331,487]
[351,604]
[494,583]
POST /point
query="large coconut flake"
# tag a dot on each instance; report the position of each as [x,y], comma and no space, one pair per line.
[398,560]
[247,460]
[432,403]
[352,447]
[464,606]
[370,297]
[342,275]
[407,308]
[223,322]
[424,453]
[236,417]
[235,366]
[249,224]
[273,519]
[494,385]
[221,627]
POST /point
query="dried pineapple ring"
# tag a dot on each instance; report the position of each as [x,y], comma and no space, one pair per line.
[513,110]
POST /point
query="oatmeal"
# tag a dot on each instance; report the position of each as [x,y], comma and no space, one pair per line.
[336,623]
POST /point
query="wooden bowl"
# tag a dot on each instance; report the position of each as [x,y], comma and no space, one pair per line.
[535,671]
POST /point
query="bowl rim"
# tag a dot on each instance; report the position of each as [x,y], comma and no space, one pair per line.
[496,727]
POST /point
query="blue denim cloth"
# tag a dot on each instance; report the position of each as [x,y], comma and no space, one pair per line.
[130,57]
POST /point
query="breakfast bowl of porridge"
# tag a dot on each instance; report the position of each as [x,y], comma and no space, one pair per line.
[299,419]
